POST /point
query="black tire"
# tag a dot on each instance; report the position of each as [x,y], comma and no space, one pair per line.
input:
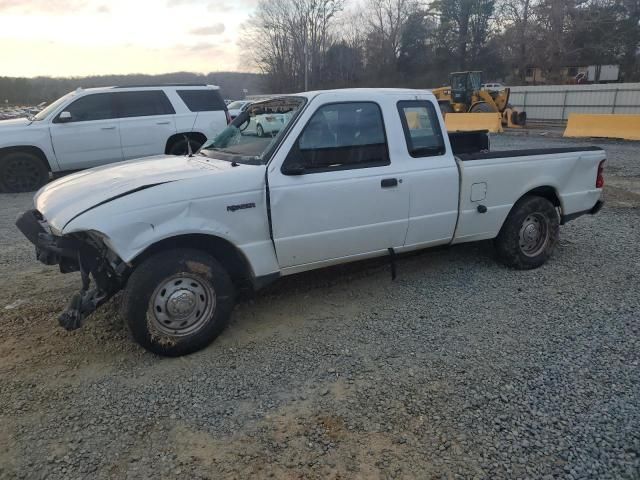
[445,107]
[163,281]
[482,107]
[260,131]
[180,147]
[518,244]
[22,172]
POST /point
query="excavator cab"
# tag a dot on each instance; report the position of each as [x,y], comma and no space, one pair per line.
[464,85]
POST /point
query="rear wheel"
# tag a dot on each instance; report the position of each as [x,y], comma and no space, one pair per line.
[180,147]
[529,234]
[22,172]
[178,301]
[260,131]
[482,107]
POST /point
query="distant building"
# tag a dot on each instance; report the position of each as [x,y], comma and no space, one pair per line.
[576,74]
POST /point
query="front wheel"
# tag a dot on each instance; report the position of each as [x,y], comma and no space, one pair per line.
[260,131]
[22,172]
[529,234]
[178,301]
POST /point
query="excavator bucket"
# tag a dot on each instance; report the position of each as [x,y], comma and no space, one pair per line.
[464,122]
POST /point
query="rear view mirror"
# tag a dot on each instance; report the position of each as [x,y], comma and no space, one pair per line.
[64,117]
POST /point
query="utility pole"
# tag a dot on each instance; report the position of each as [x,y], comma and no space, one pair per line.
[306,62]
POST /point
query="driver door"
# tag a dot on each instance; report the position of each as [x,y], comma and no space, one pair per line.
[337,194]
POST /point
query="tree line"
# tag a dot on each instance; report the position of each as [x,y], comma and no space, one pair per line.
[31,91]
[310,44]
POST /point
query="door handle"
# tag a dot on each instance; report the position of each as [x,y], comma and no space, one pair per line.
[108,128]
[163,123]
[389,182]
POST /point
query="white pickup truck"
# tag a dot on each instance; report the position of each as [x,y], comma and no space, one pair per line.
[353,174]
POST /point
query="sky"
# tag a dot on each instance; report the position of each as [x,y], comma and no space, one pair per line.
[93,37]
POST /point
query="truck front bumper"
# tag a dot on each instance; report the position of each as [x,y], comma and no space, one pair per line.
[51,249]
[72,254]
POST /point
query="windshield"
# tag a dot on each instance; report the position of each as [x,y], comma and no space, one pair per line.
[235,105]
[51,108]
[249,137]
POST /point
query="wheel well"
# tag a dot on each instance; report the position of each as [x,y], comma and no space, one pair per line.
[546,192]
[232,259]
[27,148]
[196,136]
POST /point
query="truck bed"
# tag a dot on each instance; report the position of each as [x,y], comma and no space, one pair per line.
[485,155]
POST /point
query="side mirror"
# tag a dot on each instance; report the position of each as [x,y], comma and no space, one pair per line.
[293,168]
[64,117]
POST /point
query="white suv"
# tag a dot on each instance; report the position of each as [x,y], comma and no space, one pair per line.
[91,127]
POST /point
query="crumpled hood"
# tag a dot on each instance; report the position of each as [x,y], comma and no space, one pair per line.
[66,198]
[14,123]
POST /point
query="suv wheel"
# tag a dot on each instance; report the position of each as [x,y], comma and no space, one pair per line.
[180,147]
[178,301]
[22,172]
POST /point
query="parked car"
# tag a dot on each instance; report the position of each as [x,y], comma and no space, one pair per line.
[493,87]
[92,127]
[267,123]
[237,107]
[352,174]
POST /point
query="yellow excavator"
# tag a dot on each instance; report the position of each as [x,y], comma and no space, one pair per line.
[466,95]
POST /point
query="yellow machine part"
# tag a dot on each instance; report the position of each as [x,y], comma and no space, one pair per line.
[603,125]
[507,119]
[464,122]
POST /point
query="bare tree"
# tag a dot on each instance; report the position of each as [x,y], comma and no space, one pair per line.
[387,19]
[519,15]
[291,38]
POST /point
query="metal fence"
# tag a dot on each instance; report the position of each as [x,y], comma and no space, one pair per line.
[556,102]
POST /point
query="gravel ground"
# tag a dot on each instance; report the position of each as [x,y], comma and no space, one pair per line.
[460,368]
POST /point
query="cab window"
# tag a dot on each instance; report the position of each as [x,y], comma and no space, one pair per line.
[421,127]
[341,136]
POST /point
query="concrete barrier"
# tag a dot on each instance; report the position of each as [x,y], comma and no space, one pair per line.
[464,122]
[626,127]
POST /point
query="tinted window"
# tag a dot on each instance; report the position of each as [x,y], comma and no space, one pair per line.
[202,100]
[421,128]
[143,104]
[98,106]
[341,136]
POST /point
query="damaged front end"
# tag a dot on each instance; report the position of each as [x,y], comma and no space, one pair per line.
[79,252]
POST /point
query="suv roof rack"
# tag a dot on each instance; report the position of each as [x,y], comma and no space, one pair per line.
[146,85]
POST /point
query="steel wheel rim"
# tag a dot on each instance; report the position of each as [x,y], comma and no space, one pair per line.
[534,235]
[22,174]
[182,305]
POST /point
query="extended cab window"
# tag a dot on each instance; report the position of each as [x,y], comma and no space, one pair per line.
[341,136]
[98,106]
[143,104]
[421,128]
[206,100]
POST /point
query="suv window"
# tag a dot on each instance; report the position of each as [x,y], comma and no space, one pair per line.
[421,128]
[143,104]
[342,136]
[98,106]
[206,100]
